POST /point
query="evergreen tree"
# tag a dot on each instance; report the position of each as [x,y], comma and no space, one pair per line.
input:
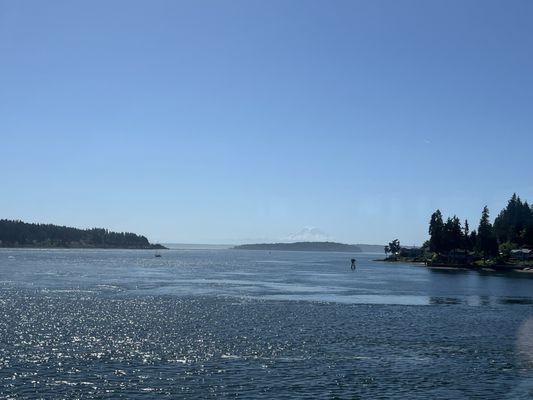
[436,232]
[513,221]
[454,233]
[486,240]
[466,237]
[472,240]
[394,246]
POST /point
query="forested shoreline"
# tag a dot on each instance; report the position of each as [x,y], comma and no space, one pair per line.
[505,242]
[15,233]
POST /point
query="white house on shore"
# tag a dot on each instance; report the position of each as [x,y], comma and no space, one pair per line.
[522,254]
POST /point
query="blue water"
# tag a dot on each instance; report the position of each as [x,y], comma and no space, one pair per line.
[252,324]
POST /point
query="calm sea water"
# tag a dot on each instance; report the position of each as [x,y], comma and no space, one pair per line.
[227,324]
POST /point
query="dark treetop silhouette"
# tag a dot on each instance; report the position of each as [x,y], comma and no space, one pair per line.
[506,242]
[22,234]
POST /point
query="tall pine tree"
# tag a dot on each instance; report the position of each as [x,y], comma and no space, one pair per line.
[436,232]
[486,242]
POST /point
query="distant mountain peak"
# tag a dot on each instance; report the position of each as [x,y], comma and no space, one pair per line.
[309,234]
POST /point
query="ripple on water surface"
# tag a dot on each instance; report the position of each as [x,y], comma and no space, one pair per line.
[67,345]
[226,324]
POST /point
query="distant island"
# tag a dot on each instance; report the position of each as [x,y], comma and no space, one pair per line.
[302,246]
[14,233]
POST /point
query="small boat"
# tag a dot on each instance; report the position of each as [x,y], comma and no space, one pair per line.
[157,255]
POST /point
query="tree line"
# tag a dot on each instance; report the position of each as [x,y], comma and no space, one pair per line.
[512,228]
[14,233]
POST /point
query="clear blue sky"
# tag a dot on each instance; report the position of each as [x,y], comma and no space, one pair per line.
[229,121]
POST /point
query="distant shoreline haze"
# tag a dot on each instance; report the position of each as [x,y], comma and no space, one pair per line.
[15,233]
[301,246]
[365,248]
